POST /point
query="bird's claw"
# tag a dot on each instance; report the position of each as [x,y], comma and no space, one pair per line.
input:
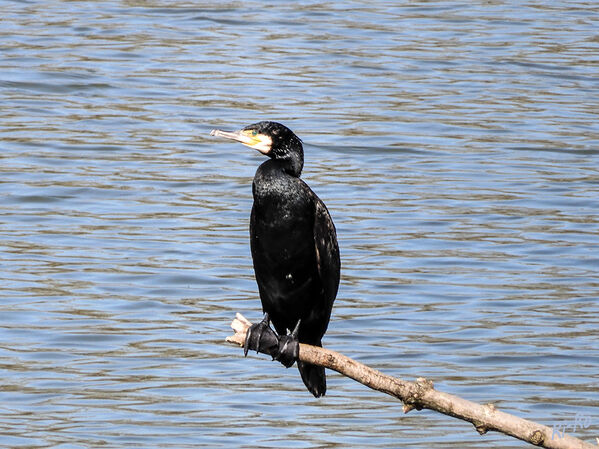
[261,338]
[288,349]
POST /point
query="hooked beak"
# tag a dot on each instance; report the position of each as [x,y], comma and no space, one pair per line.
[239,136]
[259,142]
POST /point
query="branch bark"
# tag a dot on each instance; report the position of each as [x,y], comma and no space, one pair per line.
[421,394]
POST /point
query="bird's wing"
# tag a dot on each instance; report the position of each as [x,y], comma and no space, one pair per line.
[327,250]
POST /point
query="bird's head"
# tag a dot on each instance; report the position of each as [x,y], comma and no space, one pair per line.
[271,139]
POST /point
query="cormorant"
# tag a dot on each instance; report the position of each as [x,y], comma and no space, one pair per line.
[294,250]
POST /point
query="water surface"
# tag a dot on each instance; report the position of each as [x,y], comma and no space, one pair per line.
[456,145]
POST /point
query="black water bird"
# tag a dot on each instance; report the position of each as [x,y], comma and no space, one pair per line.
[294,250]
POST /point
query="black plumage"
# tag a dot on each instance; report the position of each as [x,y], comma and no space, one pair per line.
[294,247]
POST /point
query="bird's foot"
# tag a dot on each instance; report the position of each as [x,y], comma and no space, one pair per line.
[261,338]
[288,349]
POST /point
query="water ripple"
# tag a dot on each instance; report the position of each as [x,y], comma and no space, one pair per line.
[455,145]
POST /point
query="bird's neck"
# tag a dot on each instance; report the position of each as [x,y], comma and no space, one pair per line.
[275,168]
[291,159]
[271,184]
[292,166]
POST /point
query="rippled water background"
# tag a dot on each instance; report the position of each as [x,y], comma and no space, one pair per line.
[456,145]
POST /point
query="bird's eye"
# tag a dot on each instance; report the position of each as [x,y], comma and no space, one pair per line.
[254,133]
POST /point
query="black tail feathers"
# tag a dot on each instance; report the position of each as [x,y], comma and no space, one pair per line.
[314,378]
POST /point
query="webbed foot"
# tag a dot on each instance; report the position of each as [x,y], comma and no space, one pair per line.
[261,338]
[288,349]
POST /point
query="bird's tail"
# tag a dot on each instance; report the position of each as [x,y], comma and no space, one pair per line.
[313,377]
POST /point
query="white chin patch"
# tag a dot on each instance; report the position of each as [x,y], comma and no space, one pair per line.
[264,149]
[264,144]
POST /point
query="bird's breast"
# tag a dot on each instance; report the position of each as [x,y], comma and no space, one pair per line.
[282,239]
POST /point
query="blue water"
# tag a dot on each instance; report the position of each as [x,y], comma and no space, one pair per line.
[455,144]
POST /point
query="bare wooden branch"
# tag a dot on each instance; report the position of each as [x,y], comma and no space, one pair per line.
[421,394]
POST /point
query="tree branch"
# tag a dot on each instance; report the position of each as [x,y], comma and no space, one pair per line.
[421,394]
